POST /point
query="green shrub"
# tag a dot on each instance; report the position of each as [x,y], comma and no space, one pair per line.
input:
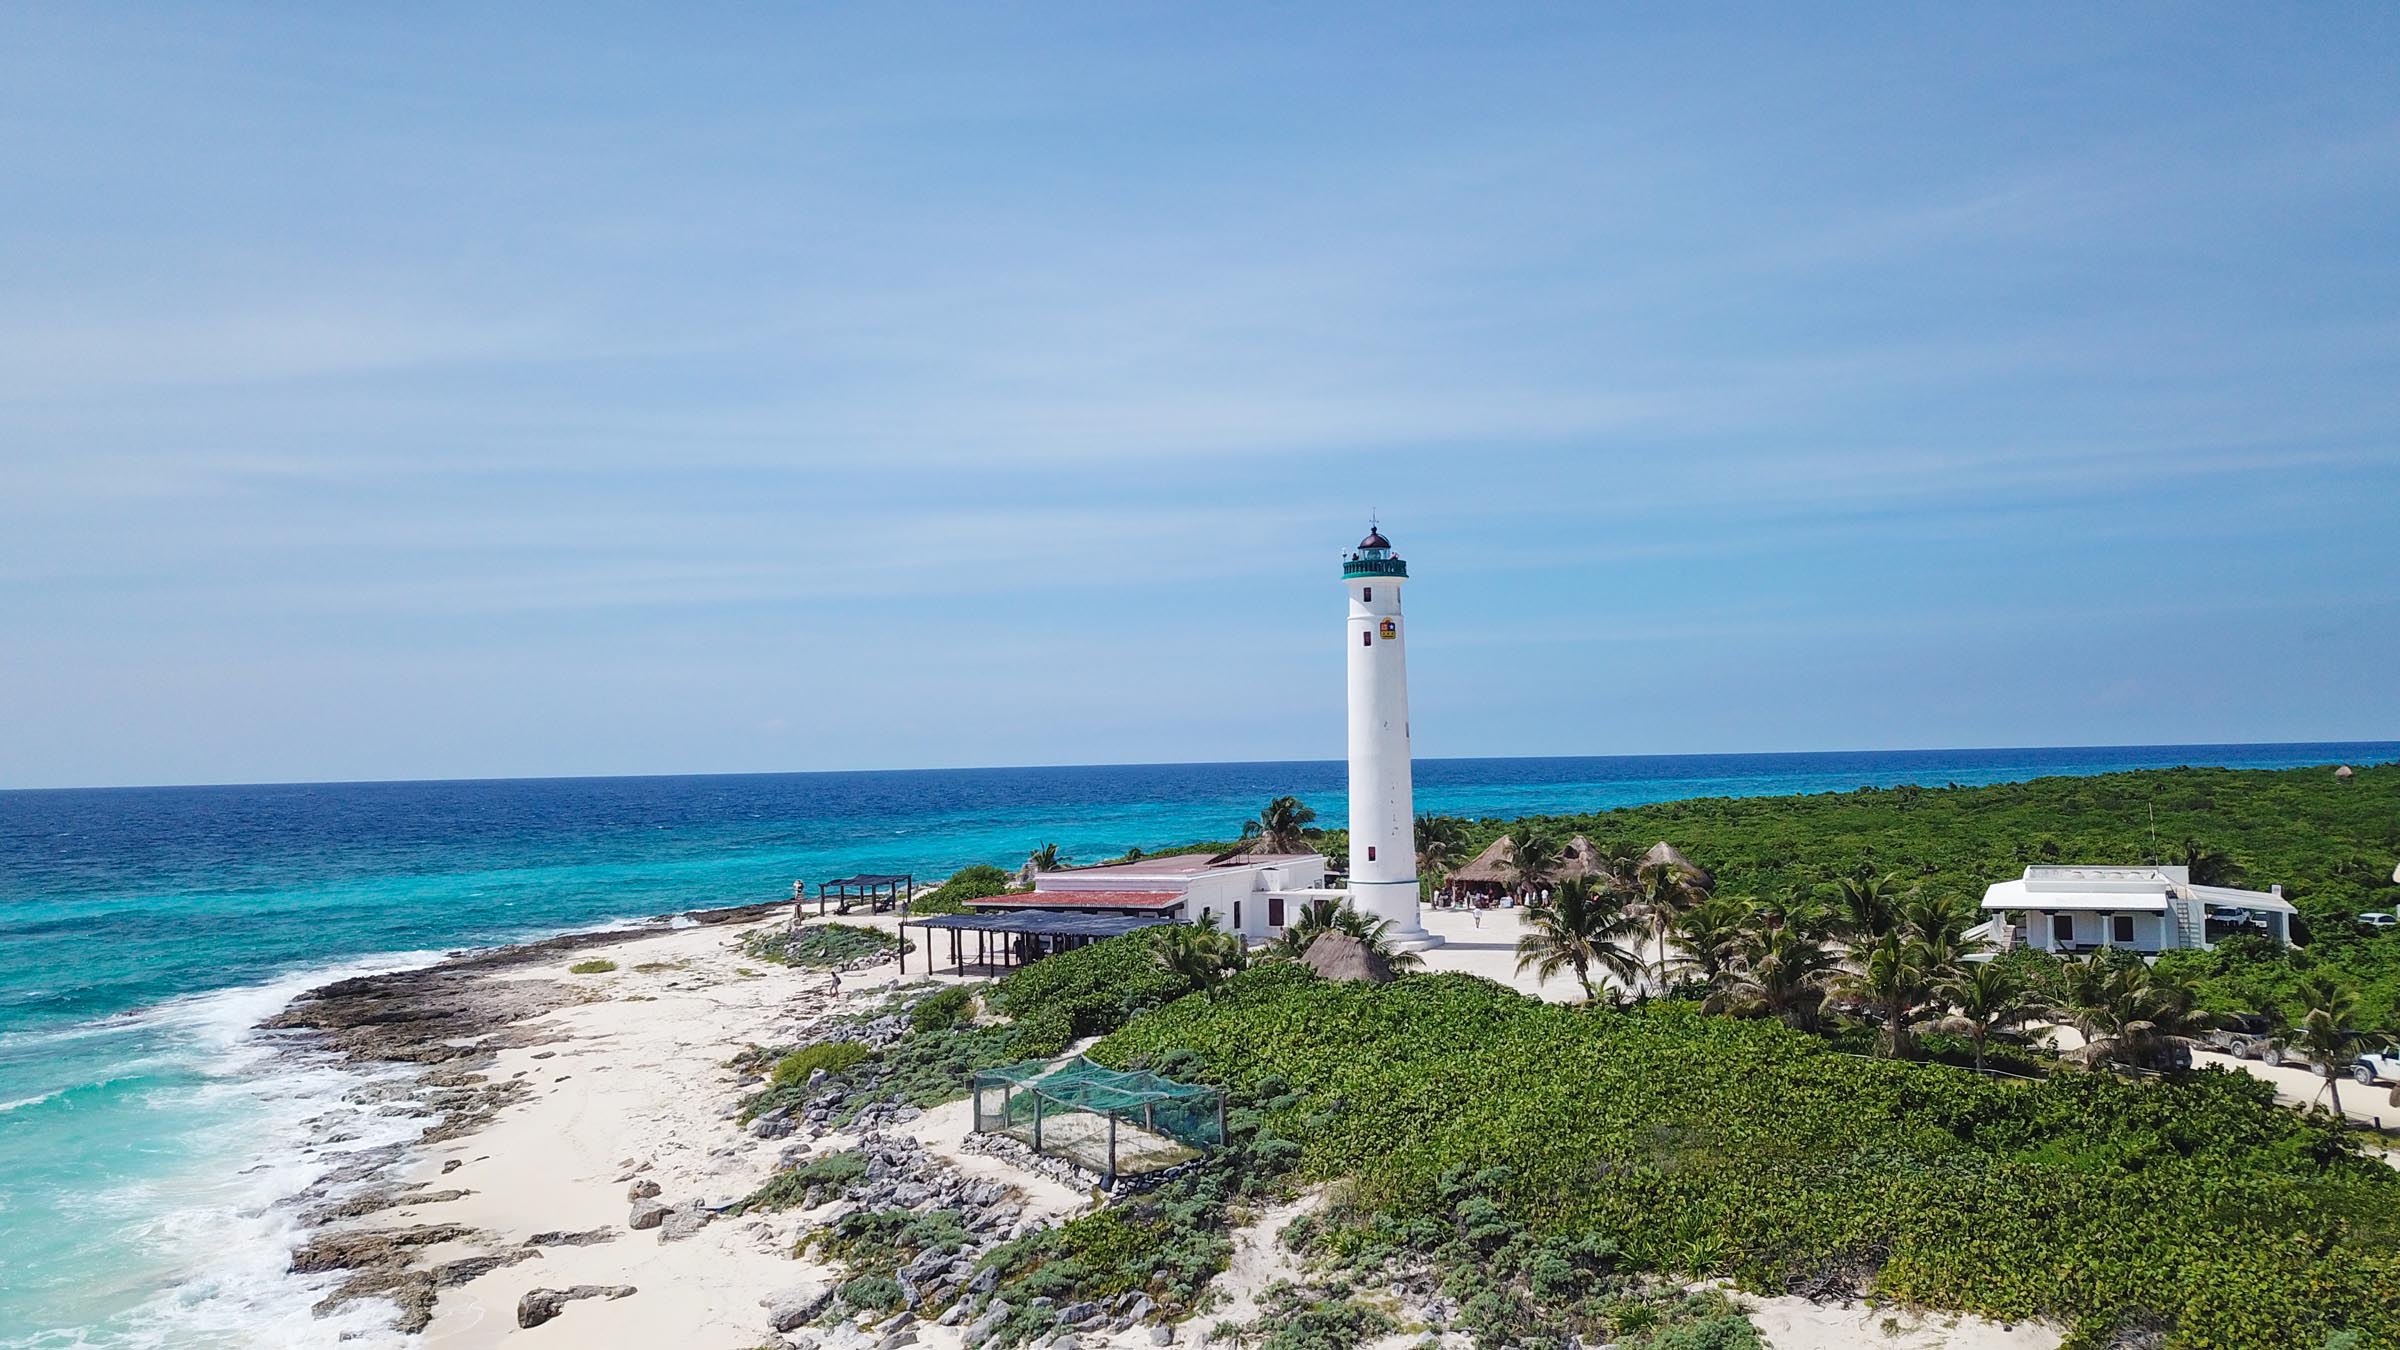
[1705,1146]
[944,1010]
[596,966]
[872,1293]
[968,883]
[831,1056]
[1096,989]
[787,1188]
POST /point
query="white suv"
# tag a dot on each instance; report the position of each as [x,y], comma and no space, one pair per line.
[2380,920]
[2377,1064]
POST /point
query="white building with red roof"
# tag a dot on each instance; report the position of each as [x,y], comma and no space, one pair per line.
[1254,894]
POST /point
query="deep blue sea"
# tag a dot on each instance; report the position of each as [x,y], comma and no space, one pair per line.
[145,1130]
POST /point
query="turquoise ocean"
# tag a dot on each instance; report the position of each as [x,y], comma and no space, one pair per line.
[147,1130]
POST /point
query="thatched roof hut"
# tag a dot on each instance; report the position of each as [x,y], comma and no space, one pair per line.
[1335,955]
[1490,867]
[1580,858]
[1664,852]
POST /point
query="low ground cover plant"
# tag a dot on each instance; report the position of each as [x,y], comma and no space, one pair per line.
[1703,1146]
[820,945]
[596,966]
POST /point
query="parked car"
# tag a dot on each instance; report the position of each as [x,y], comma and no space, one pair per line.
[2381,1064]
[2242,1035]
[2378,919]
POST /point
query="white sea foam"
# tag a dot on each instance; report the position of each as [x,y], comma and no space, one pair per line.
[216,1236]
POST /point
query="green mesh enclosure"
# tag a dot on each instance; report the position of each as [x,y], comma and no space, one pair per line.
[1113,1122]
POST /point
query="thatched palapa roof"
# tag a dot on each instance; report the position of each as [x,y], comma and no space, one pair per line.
[1664,852]
[1335,955]
[1490,867]
[1580,858]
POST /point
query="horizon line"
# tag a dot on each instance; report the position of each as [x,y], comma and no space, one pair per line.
[2380,745]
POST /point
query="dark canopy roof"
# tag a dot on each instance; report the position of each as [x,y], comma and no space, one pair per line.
[1043,923]
[870,879]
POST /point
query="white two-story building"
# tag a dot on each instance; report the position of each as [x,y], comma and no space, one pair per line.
[2072,910]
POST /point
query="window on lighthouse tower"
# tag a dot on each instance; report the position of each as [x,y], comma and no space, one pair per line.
[1366,594]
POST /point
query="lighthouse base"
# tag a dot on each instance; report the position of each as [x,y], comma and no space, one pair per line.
[1396,903]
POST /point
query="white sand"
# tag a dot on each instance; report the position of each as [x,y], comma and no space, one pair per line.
[1797,1324]
[641,1075]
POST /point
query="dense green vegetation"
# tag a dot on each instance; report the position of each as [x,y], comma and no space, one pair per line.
[596,966]
[1091,990]
[2331,845]
[1703,1146]
[968,883]
[820,945]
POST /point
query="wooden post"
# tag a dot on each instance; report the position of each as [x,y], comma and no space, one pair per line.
[1111,1183]
[1037,1121]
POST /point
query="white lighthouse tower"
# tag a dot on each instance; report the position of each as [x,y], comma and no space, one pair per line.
[1383,822]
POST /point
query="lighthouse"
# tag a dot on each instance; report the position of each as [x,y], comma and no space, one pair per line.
[1383,823]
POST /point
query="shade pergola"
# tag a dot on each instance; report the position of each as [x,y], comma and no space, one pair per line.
[881,891]
[1024,934]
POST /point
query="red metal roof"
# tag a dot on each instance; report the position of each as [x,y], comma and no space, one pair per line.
[1081,900]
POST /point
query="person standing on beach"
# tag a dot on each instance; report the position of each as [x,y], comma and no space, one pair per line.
[833,982]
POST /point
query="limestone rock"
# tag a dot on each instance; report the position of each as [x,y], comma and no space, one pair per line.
[540,1305]
[796,1305]
[564,1239]
[682,1222]
[646,1214]
[643,1189]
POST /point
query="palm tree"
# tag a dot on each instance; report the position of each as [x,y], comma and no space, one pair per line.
[1281,827]
[2327,1029]
[1937,927]
[1984,997]
[1047,858]
[1199,952]
[1319,917]
[1532,860]
[1781,972]
[1866,906]
[2129,1014]
[1709,935]
[1438,845]
[2208,866]
[1884,973]
[1583,926]
[1664,891]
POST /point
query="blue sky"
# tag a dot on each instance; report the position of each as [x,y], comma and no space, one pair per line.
[457,391]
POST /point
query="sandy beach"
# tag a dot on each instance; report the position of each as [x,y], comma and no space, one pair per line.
[562,1105]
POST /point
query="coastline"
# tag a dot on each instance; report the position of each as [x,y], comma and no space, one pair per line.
[554,1112]
[550,1106]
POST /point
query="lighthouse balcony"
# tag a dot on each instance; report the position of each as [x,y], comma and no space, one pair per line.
[1373,567]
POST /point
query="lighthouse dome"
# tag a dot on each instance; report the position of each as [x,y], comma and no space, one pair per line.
[1374,539]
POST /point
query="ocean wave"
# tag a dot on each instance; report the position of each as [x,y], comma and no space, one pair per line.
[202,1249]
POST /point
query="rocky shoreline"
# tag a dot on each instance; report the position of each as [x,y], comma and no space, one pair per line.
[444,1026]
